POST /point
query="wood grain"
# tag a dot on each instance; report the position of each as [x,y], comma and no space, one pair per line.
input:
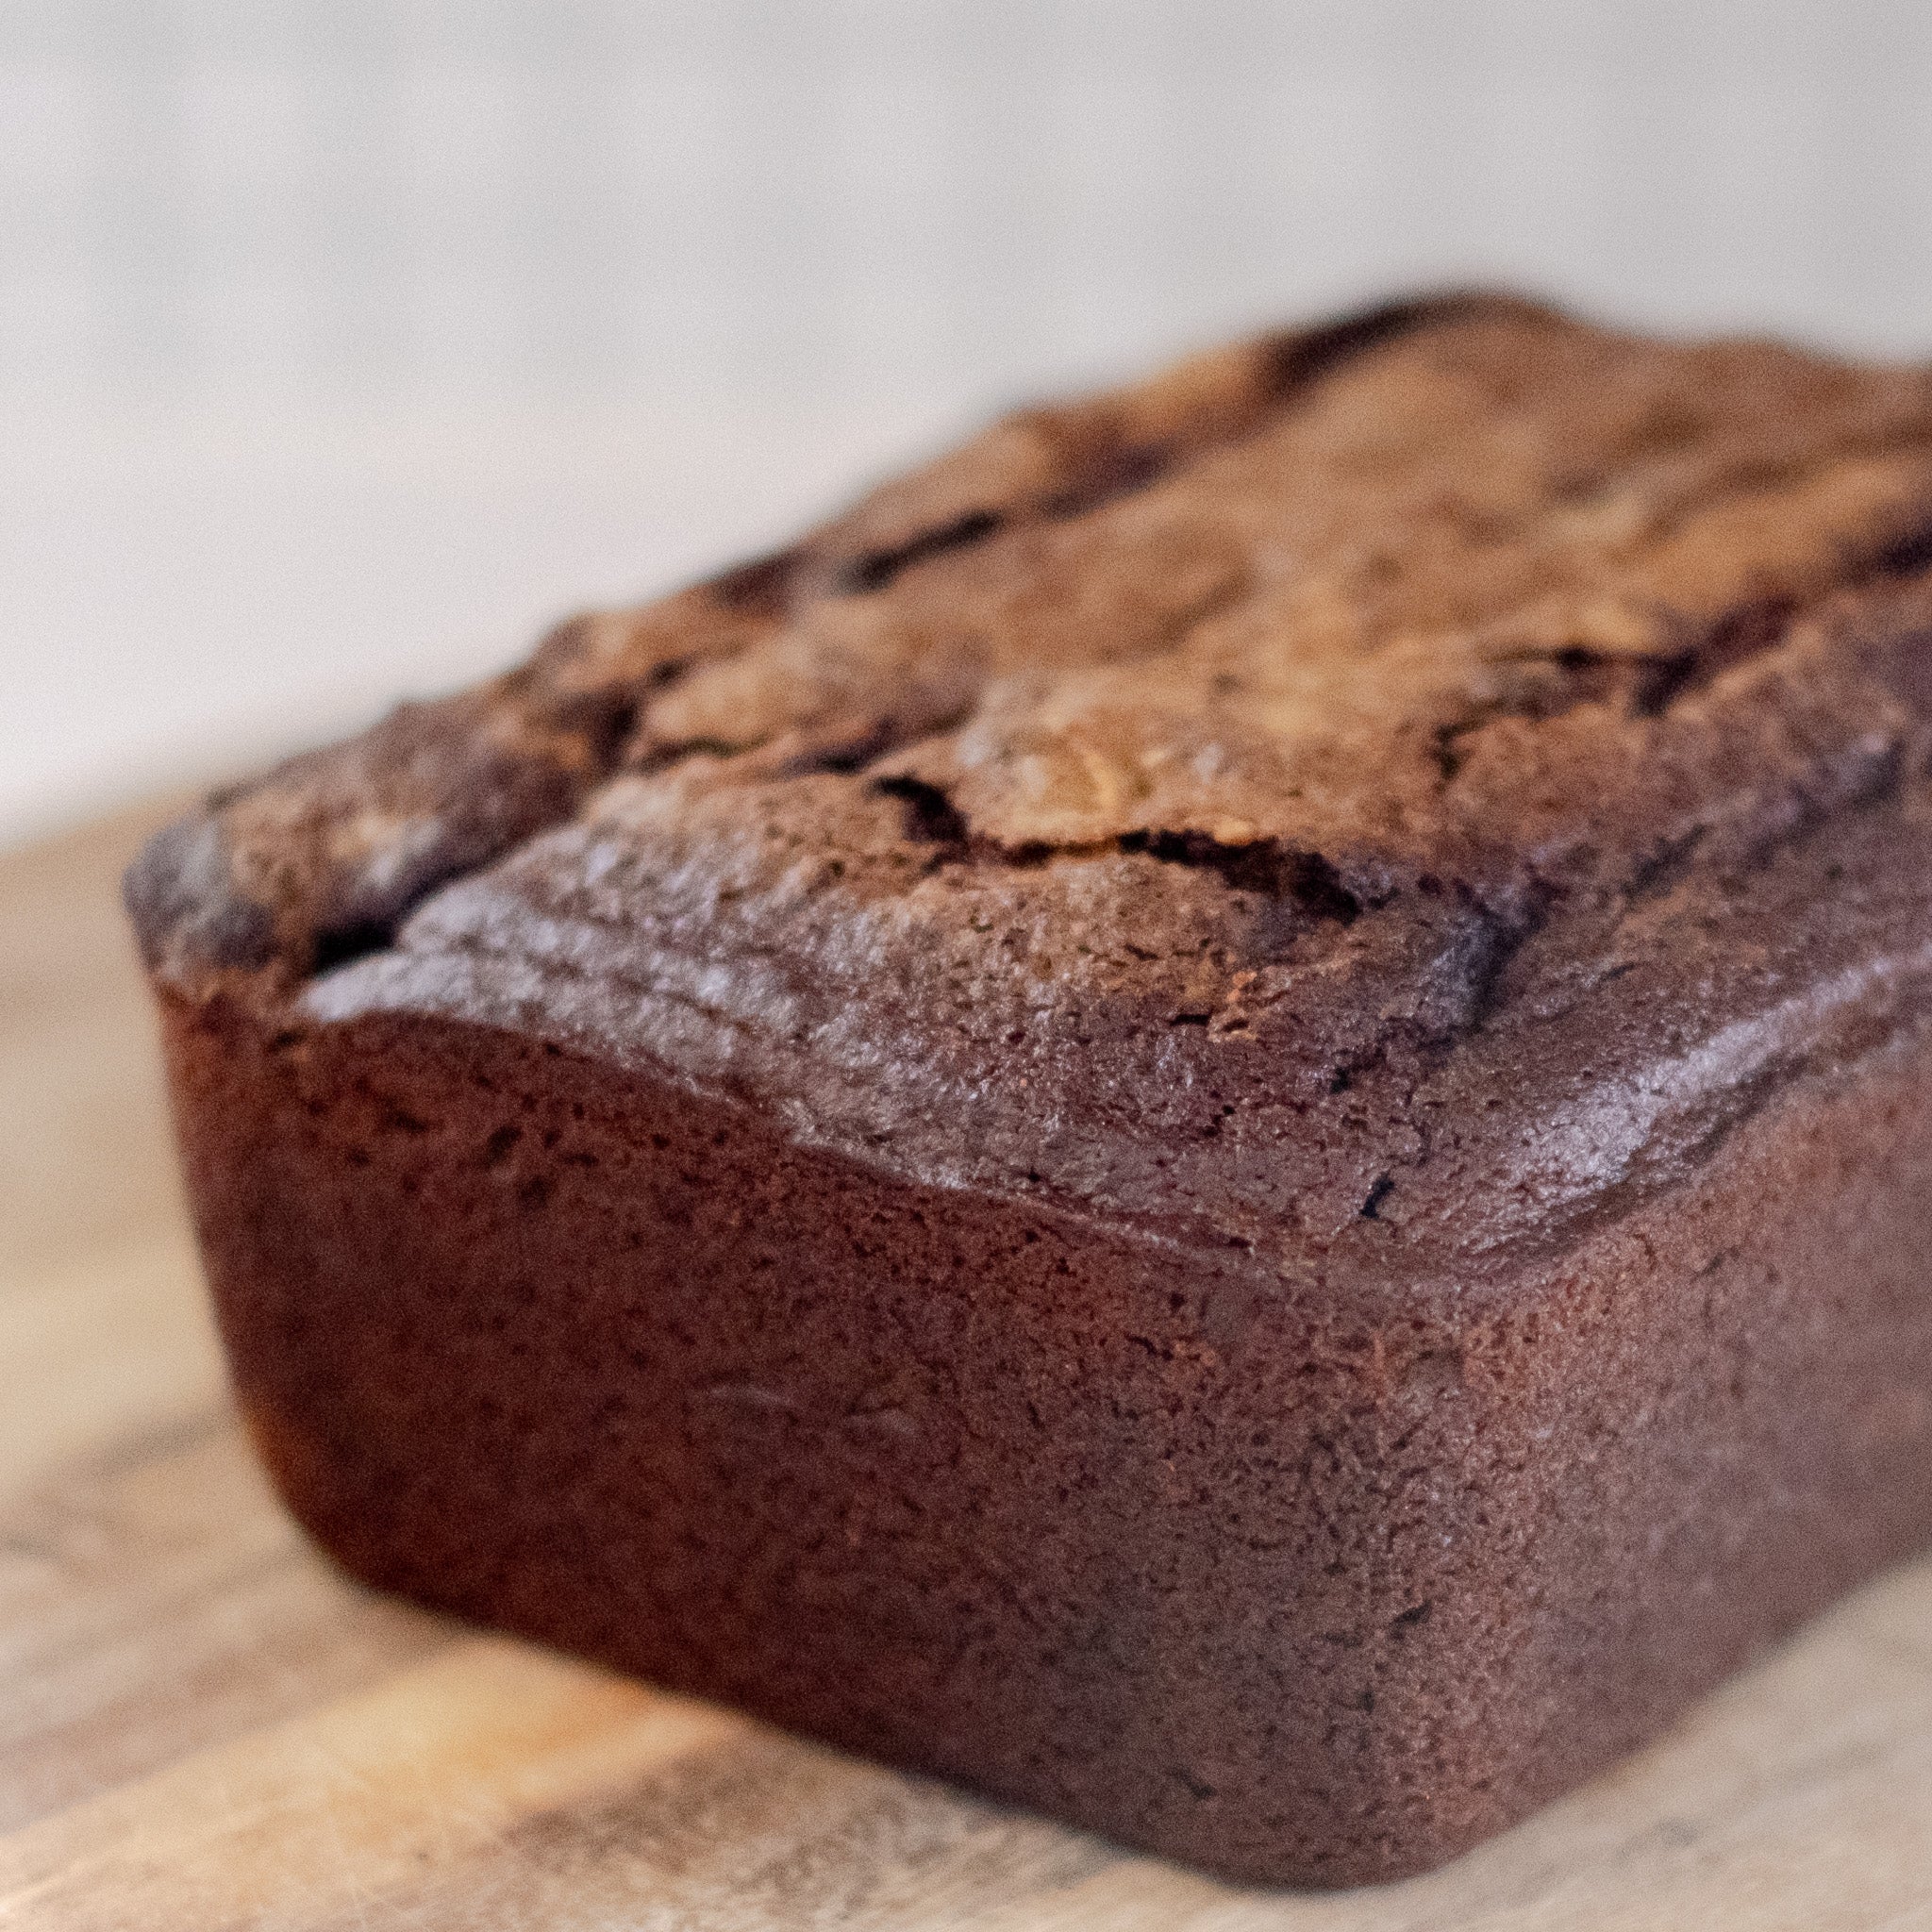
[203,1726]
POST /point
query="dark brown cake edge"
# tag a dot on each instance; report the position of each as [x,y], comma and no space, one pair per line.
[1109,1528]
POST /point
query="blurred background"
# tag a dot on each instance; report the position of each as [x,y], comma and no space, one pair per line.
[345,343]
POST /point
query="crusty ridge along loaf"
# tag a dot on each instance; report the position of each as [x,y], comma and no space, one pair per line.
[1279,969]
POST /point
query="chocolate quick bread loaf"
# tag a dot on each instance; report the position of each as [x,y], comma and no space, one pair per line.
[1221,1117]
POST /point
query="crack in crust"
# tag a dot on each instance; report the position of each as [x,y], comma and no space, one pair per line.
[1403,596]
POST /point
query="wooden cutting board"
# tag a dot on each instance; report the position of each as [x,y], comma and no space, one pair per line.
[202,1726]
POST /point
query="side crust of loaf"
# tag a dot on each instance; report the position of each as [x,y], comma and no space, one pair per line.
[1109,1526]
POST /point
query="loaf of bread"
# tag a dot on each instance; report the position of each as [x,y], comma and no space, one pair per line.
[1219,1118]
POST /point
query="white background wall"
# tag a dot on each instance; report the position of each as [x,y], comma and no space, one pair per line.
[344,341]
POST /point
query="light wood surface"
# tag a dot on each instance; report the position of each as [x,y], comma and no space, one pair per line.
[203,1728]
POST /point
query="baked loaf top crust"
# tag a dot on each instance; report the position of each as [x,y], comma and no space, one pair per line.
[1392,787]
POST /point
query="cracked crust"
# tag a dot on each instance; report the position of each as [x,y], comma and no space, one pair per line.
[1218,1116]
[1196,803]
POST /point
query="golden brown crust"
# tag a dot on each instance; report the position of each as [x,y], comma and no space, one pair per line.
[1185,800]
[1386,590]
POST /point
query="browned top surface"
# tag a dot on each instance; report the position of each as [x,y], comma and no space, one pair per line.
[1196,800]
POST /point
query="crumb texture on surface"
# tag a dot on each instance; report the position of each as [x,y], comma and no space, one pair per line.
[1248,767]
